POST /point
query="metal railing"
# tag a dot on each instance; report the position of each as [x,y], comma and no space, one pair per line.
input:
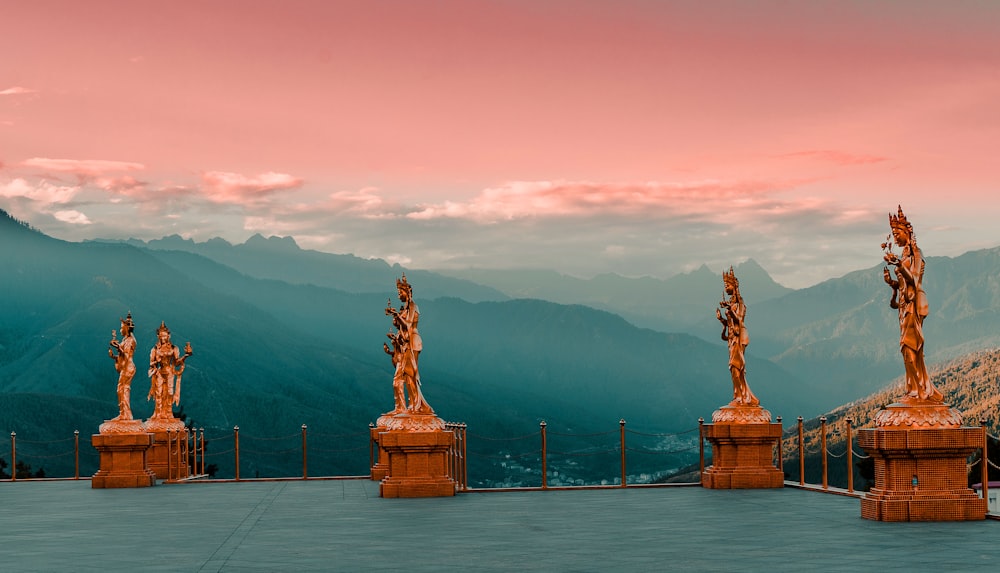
[187,453]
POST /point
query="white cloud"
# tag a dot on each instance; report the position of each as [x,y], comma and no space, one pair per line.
[42,192]
[16,90]
[72,216]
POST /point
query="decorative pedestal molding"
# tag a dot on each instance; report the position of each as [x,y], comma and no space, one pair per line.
[123,460]
[418,463]
[920,474]
[742,456]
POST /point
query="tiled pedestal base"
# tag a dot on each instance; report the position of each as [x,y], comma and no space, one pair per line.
[123,460]
[418,463]
[742,456]
[935,460]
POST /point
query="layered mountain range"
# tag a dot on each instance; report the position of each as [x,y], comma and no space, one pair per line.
[285,336]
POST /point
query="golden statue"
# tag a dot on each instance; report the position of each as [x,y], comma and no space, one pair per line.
[405,353]
[124,365]
[166,365]
[909,299]
[734,331]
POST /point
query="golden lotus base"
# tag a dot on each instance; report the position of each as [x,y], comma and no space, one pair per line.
[918,414]
[174,468]
[737,414]
[411,421]
[920,474]
[742,456]
[418,463]
[117,426]
[123,460]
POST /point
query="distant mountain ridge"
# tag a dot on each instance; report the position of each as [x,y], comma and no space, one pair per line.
[271,355]
[280,258]
[674,304]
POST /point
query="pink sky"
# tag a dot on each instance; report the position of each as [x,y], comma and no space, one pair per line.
[638,137]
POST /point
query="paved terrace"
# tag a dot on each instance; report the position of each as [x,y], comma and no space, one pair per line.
[342,525]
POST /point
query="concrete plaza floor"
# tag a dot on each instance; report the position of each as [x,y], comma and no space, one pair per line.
[342,525]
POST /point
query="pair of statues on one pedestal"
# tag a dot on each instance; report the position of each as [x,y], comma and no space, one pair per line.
[921,404]
[166,368]
[411,410]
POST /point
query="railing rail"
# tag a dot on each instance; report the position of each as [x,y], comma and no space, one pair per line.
[187,453]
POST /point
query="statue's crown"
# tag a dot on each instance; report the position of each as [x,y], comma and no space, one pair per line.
[401,283]
[128,320]
[729,277]
[162,328]
[899,221]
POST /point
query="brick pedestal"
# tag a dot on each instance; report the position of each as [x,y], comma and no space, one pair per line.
[123,460]
[742,456]
[418,463]
[381,467]
[936,458]
[176,466]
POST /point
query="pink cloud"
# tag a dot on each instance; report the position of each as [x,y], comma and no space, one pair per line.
[836,157]
[225,187]
[124,185]
[531,199]
[82,167]
[100,173]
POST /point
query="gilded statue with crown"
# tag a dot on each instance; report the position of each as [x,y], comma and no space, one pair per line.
[406,345]
[405,352]
[732,313]
[909,299]
[166,367]
[122,352]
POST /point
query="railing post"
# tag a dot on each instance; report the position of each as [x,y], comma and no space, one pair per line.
[13,456]
[236,449]
[701,447]
[850,457]
[465,459]
[621,425]
[305,471]
[822,430]
[202,432]
[802,456]
[545,480]
[170,454]
[183,454]
[371,449]
[76,454]
[985,463]
[781,456]
[456,456]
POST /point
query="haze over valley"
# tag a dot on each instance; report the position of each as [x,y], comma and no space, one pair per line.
[285,336]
